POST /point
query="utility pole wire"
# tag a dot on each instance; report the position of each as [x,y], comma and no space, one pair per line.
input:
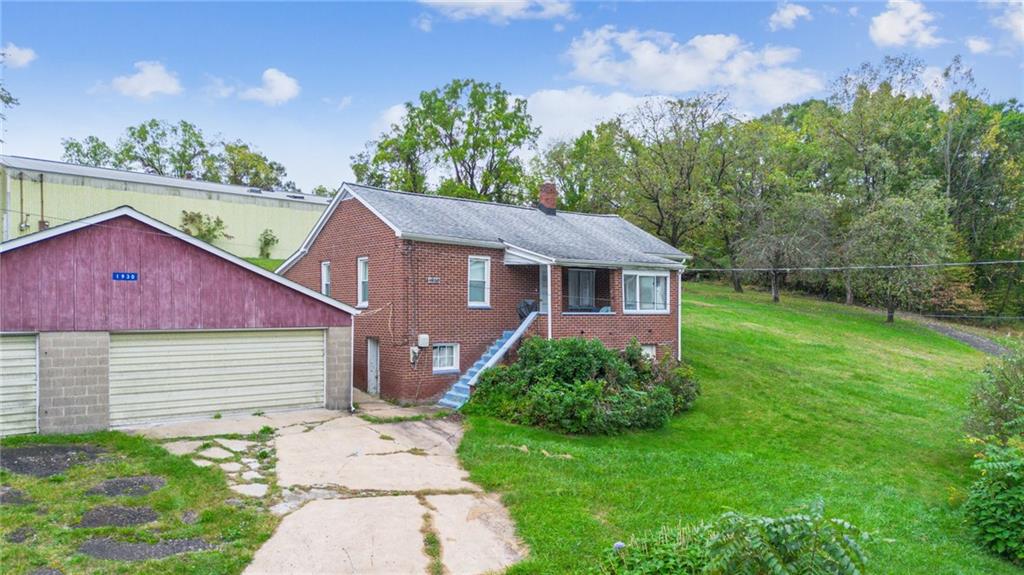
[861,267]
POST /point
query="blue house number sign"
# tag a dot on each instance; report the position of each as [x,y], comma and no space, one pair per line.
[125,276]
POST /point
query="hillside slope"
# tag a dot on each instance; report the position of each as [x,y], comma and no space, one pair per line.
[801,400]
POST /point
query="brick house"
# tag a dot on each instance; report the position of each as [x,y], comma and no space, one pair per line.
[447,286]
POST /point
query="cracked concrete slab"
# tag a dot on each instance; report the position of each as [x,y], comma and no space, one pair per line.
[476,532]
[242,424]
[373,535]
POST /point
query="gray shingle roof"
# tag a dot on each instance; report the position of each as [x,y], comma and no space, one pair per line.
[564,236]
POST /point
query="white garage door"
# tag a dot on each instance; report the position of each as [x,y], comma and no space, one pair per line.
[158,376]
[18,376]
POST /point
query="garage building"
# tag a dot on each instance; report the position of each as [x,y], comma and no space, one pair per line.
[121,320]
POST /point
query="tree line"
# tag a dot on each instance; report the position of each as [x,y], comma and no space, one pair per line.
[889,168]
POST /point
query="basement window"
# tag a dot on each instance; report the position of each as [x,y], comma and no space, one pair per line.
[446,358]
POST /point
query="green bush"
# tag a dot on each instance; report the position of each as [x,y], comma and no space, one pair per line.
[997,400]
[995,502]
[737,544]
[576,385]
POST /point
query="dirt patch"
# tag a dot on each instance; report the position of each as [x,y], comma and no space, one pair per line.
[114,516]
[47,460]
[106,548]
[128,486]
[12,496]
[20,535]
[45,571]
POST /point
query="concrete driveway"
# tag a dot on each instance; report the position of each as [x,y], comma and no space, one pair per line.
[364,496]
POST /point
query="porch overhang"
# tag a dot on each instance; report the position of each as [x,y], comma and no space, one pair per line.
[517,256]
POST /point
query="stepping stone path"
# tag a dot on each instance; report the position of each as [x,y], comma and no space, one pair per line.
[132,486]
[216,453]
[115,516]
[20,535]
[12,496]
[106,548]
[247,474]
[47,460]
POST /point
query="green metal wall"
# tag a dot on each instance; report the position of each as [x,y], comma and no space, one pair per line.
[69,198]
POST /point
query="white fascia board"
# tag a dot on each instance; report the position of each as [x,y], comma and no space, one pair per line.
[451,240]
[528,255]
[174,232]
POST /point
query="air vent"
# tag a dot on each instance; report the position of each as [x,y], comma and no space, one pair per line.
[255,191]
[296,197]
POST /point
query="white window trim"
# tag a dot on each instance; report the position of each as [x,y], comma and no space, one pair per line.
[668,292]
[455,359]
[487,281]
[359,282]
[650,351]
[325,278]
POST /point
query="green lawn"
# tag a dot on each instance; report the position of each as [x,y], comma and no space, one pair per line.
[60,501]
[801,400]
[266,263]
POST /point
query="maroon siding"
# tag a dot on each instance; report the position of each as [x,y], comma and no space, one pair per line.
[64,284]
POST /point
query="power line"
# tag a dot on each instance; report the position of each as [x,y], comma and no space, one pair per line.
[861,267]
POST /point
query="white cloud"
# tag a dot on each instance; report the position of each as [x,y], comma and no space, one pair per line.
[387,118]
[277,88]
[654,61]
[978,45]
[14,56]
[150,79]
[564,114]
[501,12]
[854,11]
[424,23]
[1011,19]
[786,16]
[339,103]
[558,27]
[904,22]
[217,88]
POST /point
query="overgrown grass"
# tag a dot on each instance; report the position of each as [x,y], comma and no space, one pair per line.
[60,501]
[266,263]
[801,400]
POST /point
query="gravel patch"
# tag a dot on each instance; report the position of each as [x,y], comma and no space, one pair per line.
[115,516]
[979,343]
[12,496]
[132,486]
[106,548]
[45,571]
[20,535]
[190,517]
[47,460]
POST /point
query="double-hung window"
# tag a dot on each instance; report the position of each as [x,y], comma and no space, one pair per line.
[479,286]
[446,358]
[363,278]
[645,292]
[581,289]
[325,278]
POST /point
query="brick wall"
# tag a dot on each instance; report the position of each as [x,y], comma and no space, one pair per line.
[421,288]
[74,392]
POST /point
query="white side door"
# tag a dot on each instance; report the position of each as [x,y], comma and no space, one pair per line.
[373,366]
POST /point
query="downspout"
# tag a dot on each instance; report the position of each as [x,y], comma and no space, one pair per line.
[551,302]
[43,224]
[22,216]
[679,317]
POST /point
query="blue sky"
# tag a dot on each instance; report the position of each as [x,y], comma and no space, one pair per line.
[310,83]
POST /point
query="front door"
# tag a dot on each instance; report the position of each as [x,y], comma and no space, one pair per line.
[373,366]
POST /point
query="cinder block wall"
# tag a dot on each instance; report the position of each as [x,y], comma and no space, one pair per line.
[339,368]
[74,392]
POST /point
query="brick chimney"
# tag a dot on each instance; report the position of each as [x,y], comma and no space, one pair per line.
[548,198]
